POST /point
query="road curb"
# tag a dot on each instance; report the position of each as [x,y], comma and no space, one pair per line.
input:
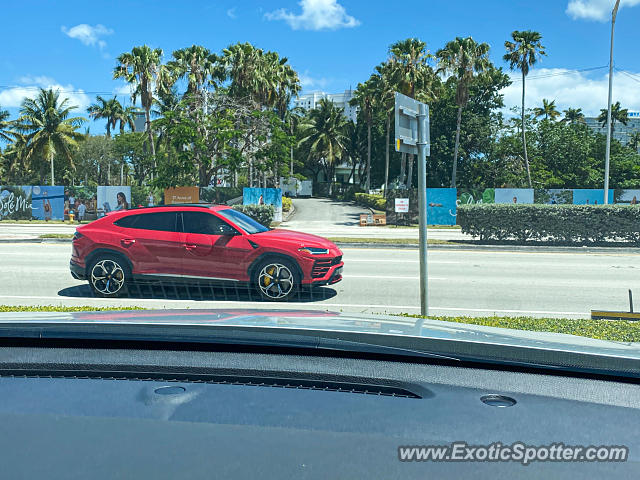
[496,248]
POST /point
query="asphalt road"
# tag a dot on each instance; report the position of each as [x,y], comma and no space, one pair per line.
[330,218]
[461,282]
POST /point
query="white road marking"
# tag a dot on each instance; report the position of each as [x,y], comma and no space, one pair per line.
[391,277]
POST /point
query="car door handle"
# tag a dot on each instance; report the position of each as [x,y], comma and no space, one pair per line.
[127,242]
[189,246]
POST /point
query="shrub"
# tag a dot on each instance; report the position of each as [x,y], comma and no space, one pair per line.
[262,214]
[377,202]
[286,204]
[346,193]
[558,223]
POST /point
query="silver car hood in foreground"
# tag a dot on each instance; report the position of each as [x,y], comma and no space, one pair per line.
[302,321]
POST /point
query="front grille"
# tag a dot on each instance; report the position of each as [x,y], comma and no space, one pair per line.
[337,260]
[321,268]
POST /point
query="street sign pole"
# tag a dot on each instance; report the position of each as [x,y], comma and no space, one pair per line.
[412,136]
[422,201]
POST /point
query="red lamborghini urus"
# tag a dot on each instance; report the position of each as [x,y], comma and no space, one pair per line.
[200,243]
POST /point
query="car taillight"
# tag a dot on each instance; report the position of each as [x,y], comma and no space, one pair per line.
[77,236]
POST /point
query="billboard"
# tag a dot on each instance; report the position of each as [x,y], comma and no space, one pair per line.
[553,196]
[441,206]
[15,202]
[181,195]
[264,196]
[514,195]
[47,202]
[590,196]
[113,198]
[476,195]
[632,197]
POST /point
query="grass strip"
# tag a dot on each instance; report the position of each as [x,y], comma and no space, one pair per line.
[614,330]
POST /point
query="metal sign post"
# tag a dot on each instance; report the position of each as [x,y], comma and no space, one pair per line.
[412,136]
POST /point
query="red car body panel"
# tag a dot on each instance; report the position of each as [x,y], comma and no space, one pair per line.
[198,256]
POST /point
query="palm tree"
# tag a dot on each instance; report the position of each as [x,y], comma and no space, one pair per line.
[634,140]
[324,133]
[196,64]
[522,53]
[127,118]
[618,114]
[548,110]
[141,68]
[573,115]
[385,99]
[106,109]
[463,58]
[292,118]
[49,131]
[6,131]
[364,98]
[412,75]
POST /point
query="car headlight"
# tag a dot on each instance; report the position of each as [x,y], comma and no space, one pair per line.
[314,250]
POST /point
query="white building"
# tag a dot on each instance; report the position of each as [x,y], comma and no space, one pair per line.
[341,100]
[621,132]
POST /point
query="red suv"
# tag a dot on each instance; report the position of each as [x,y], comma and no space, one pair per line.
[200,243]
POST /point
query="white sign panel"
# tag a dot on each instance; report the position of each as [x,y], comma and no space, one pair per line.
[402,205]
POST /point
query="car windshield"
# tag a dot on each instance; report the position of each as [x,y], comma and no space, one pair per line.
[245,222]
[471,165]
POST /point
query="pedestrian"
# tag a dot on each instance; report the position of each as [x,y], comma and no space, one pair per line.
[46,206]
[151,200]
[72,202]
[82,209]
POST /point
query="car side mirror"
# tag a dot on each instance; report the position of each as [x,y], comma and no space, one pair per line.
[228,231]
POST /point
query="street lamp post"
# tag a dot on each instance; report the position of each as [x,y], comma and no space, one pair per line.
[614,13]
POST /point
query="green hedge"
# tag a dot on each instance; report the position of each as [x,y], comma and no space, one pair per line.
[260,213]
[556,223]
[377,202]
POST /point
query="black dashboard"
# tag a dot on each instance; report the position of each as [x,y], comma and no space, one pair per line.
[109,411]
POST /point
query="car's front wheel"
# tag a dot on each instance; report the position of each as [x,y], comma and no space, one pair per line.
[109,276]
[277,280]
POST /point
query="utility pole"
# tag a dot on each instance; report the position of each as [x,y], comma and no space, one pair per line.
[614,13]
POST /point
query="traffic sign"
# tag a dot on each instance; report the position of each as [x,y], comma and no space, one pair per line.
[402,205]
[406,124]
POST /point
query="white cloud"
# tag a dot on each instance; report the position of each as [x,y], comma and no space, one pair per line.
[231,13]
[316,15]
[599,10]
[88,35]
[307,81]
[13,97]
[573,89]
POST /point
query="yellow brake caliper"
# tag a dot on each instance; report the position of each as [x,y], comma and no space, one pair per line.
[267,280]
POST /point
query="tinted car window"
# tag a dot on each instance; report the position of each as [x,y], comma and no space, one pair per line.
[163,221]
[204,223]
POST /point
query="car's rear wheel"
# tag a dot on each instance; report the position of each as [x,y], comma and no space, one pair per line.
[277,280]
[109,276]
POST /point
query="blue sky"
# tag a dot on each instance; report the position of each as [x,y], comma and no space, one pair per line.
[333,44]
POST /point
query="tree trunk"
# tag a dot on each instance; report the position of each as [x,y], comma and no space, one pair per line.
[524,136]
[368,157]
[455,150]
[386,157]
[108,129]
[147,118]
[53,181]
[409,170]
[109,173]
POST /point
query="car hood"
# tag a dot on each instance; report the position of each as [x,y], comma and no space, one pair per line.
[300,238]
[332,324]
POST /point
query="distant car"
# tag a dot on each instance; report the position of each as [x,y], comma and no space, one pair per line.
[200,243]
